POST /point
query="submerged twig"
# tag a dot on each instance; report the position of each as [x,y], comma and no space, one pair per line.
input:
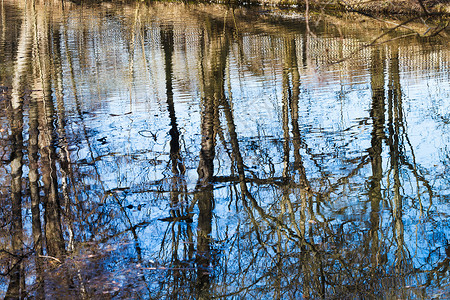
[51,257]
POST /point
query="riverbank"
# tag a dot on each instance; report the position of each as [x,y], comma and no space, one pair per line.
[378,7]
[405,7]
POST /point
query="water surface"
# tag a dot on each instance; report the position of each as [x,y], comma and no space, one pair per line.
[194,151]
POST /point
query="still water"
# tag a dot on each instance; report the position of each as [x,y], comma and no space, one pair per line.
[178,151]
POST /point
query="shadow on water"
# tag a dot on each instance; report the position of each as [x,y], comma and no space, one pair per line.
[192,151]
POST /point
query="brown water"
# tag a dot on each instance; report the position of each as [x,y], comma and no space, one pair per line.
[191,151]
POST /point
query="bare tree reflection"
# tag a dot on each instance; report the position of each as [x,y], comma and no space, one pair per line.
[287,207]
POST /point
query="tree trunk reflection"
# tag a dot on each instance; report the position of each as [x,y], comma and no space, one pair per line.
[47,144]
[33,177]
[395,124]
[16,287]
[181,215]
[213,73]
[377,113]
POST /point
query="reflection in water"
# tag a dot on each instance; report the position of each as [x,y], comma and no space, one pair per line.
[190,151]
